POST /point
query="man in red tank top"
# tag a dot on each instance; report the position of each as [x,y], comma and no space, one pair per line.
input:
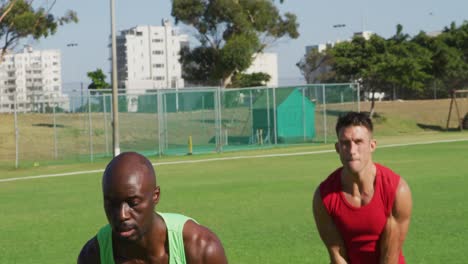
[363,209]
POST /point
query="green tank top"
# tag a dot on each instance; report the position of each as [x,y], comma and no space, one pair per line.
[175,225]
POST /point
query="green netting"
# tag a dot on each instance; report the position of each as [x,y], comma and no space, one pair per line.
[162,121]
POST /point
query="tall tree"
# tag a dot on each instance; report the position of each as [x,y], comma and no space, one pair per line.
[316,66]
[19,19]
[230,32]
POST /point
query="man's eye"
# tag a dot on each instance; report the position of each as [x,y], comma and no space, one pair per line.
[133,203]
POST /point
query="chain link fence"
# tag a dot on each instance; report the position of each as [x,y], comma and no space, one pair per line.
[163,122]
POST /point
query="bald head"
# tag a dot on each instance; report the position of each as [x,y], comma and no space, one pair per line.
[130,166]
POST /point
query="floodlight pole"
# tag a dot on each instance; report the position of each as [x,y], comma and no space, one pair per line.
[115,101]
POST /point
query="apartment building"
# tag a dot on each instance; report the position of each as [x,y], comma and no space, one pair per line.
[30,80]
[148,58]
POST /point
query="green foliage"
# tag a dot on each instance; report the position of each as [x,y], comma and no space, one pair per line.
[255,79]
[98,80]
[409,67]
[230,32]
[21,20]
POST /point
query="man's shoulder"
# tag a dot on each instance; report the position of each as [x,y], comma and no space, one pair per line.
[390,179]
[331,183]
[90,252]
[201,243]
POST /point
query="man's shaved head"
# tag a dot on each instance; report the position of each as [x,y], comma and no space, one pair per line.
[130,163]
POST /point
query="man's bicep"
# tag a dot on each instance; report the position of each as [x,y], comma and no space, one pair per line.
[402,208]
[328,231]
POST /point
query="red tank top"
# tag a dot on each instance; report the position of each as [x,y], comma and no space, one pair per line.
[361,227]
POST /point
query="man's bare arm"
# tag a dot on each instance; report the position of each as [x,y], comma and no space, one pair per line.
[328,231]
[202,246]
[397,225]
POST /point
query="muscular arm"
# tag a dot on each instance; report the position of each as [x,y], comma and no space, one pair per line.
[90,253]
[328,231]
[202,246]
[397,225]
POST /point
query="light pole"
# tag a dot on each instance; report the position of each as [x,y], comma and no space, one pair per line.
[338,26]
[115,101]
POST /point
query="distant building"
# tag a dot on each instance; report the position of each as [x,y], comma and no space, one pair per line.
[365,34]
[266,63]
[148,58]
[34,77]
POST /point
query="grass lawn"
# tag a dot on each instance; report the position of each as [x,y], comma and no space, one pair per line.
[259,207]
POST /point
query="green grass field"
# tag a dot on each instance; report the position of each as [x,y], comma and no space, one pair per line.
[259,207]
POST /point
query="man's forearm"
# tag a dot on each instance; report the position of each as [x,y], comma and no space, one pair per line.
[390,245]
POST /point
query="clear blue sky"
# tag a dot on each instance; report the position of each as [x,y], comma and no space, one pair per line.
[316,19]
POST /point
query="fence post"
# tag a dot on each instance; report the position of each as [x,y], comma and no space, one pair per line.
[90,123]
[268,108]
[55,128]
[166,142]
[251,113]
[274,118]
[218,123]
[359,97]
[16,132]
[324,104]
[105,123]
[304,114]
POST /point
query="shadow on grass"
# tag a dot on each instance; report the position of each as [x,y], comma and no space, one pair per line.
[47,125]
[437,128]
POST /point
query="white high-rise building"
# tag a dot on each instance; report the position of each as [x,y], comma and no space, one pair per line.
[34,77]
[148,58]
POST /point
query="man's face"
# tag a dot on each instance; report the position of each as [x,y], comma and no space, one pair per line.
[129,205]
[355,146]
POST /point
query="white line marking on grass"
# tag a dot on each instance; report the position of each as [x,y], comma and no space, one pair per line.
[51,175]
[226,158]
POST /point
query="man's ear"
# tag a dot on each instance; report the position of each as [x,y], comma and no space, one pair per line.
[156,195]
[373,144]
[337,147]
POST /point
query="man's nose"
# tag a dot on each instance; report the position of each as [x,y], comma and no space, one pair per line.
[124,213]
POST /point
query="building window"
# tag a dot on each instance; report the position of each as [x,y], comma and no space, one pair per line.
[158,52]
[159,78]
[157,40]
[158,65]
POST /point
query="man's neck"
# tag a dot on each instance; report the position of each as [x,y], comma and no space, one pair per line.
[361,183]
[153,245]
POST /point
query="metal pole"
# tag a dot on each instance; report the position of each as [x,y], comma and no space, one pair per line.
[16,134]
[160,116]
[55,129]
[115,101]
[105,123]
[358,97]
[82,105]
[90,123]
[274,117]
[251,112]
[268,109]
[304,115]
[324,104]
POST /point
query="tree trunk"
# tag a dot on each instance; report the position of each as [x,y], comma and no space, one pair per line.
[372,108]
[226,80]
